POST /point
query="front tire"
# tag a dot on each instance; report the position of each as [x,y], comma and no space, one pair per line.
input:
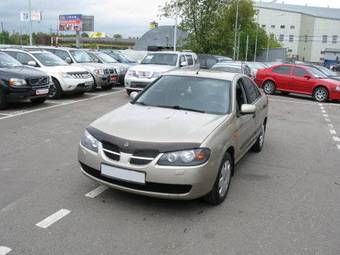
[222,183]
[258,146]
[38,100]
[269,87]
[321,94]
[55,90]
[3,100]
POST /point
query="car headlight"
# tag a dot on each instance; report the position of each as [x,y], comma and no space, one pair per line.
[156,75]
[99,72]
[337,88]
[14,82]
[89,142]
[131,73]
[192,157]
[65,75]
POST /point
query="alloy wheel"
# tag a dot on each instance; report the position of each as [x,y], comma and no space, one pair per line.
[224,178]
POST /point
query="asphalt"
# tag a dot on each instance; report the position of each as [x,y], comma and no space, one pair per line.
[285,200]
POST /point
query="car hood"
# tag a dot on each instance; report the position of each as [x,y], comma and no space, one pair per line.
[153,124]
[20,72]
[64,69]
[152,68]
[91,66]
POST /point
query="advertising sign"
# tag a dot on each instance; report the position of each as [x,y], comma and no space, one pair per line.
[35,16]
[88,23]
[71,22]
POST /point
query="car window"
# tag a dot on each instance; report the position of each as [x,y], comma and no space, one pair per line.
[251,90]
[282,70]
[8,61]
[49,59]
[240,95]
[94,57]
[81,56]
[61,54]
[169,59]
[300,72]
[190,60]
[182,59]
[23,58]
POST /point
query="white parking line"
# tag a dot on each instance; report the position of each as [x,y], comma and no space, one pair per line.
[336,139]
[4,250]
[53,218]
[338,146]
[331,126]
[326,115]
[323,111]
[328,120]
[332,131]
[96,192]
[59,105]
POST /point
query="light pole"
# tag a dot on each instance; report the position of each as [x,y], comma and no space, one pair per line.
[257,34]
[175,30]
[30,19]
[236,29]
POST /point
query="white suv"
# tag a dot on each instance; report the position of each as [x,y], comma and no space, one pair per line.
[66,79]
[154,65]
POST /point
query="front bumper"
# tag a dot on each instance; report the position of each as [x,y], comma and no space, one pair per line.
[137,84]
[106,80]
[26,93]
[76,85]
[161,181]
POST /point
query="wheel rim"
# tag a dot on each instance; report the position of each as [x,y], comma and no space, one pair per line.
[261,137]
[224,178]
[321,94]
[268,87]
[53,90]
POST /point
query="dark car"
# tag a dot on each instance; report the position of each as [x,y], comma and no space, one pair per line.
[20,82]
[207,61]
[329,73]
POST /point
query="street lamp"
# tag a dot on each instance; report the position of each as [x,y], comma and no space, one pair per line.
[30,19]
[236,28]
[175,30]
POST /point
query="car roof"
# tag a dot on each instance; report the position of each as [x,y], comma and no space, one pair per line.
[212,74]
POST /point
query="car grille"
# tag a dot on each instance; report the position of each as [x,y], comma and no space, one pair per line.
[139,157]
[148,186]
[40,81]
[110,71]
[144,74]
[140,85]
[80,75]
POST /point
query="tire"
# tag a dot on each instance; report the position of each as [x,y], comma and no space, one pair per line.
[38,100]
[94,85]
[321,94]
[258,146]
[55,90]
[3,100]
[269,87]
[284,93]
[222,183]
[107,87]
[128,92]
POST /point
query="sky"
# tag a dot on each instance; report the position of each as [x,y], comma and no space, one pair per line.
[127,17]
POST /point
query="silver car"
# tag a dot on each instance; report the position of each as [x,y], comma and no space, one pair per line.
[180,138]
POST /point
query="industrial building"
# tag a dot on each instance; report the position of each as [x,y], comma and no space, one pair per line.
[305,31]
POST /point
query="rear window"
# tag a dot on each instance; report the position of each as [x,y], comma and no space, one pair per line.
[282,70]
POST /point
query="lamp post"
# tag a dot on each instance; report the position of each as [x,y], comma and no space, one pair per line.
[257,34]
[30,19]
[236,29]
[175,30]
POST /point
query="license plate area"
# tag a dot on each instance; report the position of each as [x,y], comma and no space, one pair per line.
[122,174]
[41,92]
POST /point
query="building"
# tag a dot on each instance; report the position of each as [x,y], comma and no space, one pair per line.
[304,30]
[160,38]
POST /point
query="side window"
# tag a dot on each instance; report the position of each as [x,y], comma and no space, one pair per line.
[190,60]
[285,70]
[251,90]
[240,95]
[61,54]
[300,72]
[24,58]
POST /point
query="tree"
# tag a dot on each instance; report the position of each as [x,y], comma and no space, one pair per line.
[211,26]
[117,36]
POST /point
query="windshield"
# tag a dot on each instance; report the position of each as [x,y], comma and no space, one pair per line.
[230,69]
[256,65]
[161,59]
[8,61]
[106,58]
[188,93]
[81,56]
[316,73]
[119,57]
[49,59]
[326,71]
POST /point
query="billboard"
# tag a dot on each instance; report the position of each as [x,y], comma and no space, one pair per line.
[72,22]
[35,16]
[88,23]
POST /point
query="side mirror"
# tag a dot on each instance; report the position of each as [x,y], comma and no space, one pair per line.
[32,63]
[248,109]
[68,60]
[308,77]
[133,95]
[184,63]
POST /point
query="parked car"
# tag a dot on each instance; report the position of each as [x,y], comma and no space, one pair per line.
[104,76]
[207,61]
[120,57]
[254,67]
[196,128]
[66,79]
[154,65]
[335,68]
[233,67]
[19,82]
[104,58]
[329,73]
[307,80]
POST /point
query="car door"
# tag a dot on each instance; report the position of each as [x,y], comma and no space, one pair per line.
[282,77]
[302,81]
[245,123]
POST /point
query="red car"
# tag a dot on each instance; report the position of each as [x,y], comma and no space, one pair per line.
[298,79]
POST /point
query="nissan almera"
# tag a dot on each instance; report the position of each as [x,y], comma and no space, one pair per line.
[180,138]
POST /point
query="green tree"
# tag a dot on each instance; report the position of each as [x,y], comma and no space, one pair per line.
[117,36]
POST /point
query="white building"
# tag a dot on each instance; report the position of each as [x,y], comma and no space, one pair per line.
[304,30]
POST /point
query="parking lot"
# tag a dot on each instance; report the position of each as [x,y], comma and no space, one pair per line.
[284,200]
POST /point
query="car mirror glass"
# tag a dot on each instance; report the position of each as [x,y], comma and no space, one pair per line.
[133,95]
[68,60]
[184,63]
[32,63]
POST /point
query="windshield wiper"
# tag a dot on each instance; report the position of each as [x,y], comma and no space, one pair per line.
[177,107]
